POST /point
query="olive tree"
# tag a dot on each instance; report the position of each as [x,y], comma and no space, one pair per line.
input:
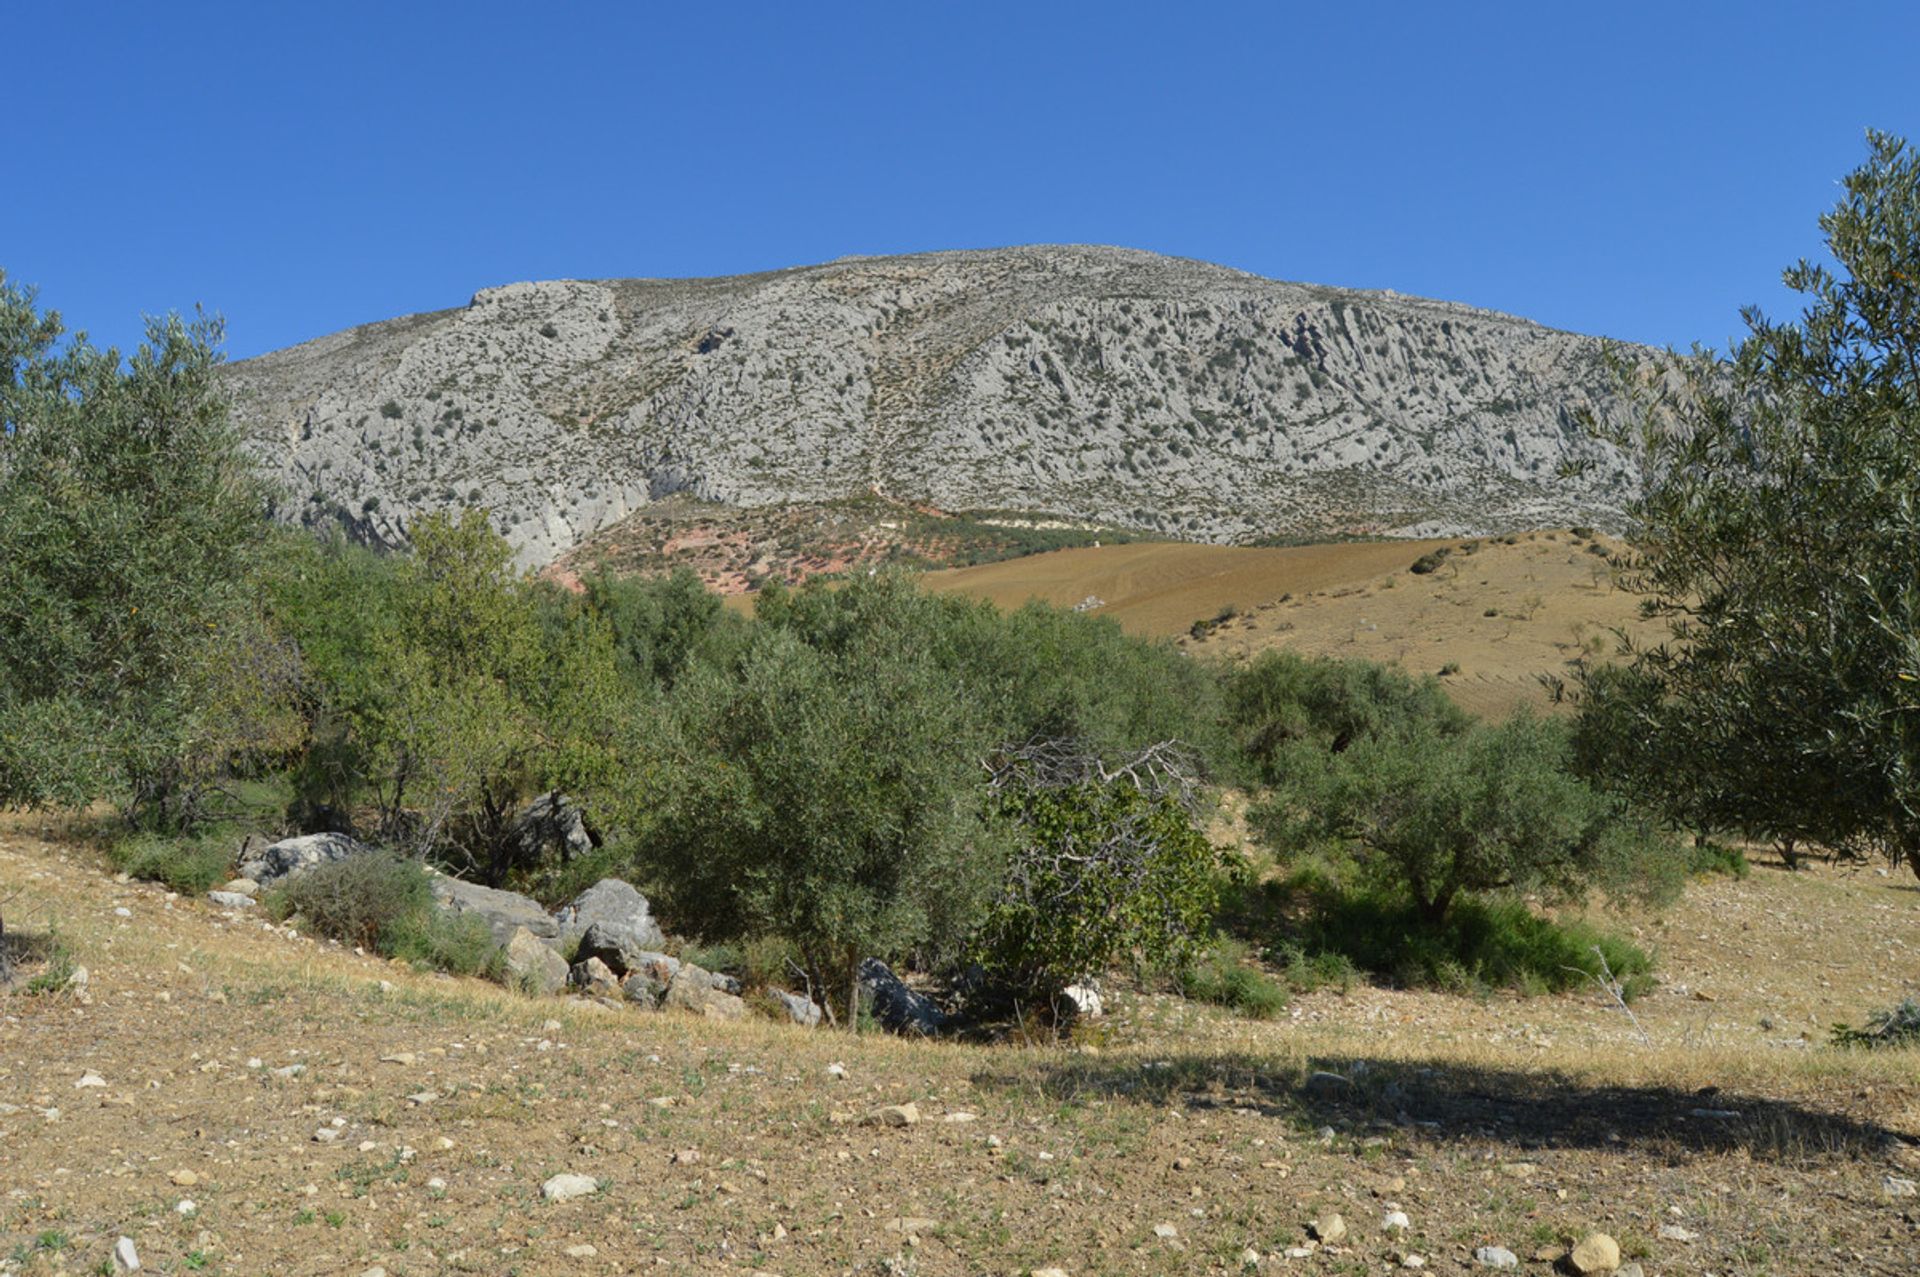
[1779,538]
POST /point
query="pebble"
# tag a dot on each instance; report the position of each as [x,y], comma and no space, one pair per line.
[125,1258]
[1396,1221]
[1047,1272]
[1596,1253]
[1298,1252]
[436,1185]
[185,1179]
[1496,1257]
[585,1250]
[564,1188]
[961,1117]
[1328,1228]
[89,1080]
[1249,1258]
[186,1206]
[1413,1261]
[1675,1233]
[325,1135]
[1165,1231]
[1898,1187]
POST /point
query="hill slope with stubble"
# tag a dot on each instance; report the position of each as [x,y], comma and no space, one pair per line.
[1098,384]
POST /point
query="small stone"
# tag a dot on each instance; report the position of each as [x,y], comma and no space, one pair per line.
[1896,1186]
[325,1135]
[288,1072]
[443,1144]
[961,1116]
[1413,1261]
[1299,1252]
[186,1206]
[1328,1228]
[88,1081]
[1596,1253]
[894,1115]
[1249,1258]
[686,1157]
[1496,1257]
[585,1250]
[367,1146]
[1046,1272]
[1518,1170]
[1165,1231]
[125,1258]
[1183,1163]
[436,1185]
[1396,1221]
[423,1097]
[564,1188]
[230,899]
[1675,1233]
[185,1179]
[405,1059]
[836,1070]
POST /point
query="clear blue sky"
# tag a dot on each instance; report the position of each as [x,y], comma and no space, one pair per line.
[1637,170]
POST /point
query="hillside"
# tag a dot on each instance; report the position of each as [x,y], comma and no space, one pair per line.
[1091,384]
[1492,617]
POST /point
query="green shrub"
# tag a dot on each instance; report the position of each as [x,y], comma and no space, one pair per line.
[356,900]
[190,865]
[1709,857]
[384,903]
[1430,562]
[1899,1027]
[1222,977]
[1480,943]
[1102,872]
[1283,704]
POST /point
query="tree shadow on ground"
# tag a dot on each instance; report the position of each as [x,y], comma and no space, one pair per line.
[1439,1102]
[27,954]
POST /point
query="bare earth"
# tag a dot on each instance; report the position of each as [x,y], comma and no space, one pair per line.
[1168,1139]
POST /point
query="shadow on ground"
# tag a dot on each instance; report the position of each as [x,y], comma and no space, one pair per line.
[1445,1102]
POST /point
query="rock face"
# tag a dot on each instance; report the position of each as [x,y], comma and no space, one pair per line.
[1093,383]
[896,1006]
[504,912]
[291,855]
[798,1009]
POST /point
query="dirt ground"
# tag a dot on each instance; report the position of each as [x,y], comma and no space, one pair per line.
[1166,1138]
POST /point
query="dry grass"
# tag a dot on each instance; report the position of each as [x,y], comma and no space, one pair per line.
[1550,600]
[1509,1121]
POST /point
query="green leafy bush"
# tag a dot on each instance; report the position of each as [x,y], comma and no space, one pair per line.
[1478,944]
[1288,711]
[1222,976]
[384,903]
[1102,871]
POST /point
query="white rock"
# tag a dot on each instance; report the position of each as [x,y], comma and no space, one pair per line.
[1496,1257]
[436,1185]
[123,912]
[1165,1231]
[1396,1221]
[585,1250]
[88,1081]
[125,1258]
[1675,1233]
[186,1206]
[1249,1258]
[564,1188]
[1899,1187]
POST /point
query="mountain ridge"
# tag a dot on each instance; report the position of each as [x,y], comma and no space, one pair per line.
[1112,385]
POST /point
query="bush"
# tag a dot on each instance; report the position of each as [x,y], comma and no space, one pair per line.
[356,900]
[1899,1027]
[190,865]
[1289,711]
[1431,817]
[1709,857]
[1222,977]
[1102,871]
[1477,945]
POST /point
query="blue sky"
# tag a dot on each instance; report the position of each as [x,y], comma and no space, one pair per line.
[1636,170]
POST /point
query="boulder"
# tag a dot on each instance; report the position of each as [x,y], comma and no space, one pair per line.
[712,979]
[532,963]
[700,998]
[1596,1253]
[615,945]
[595,979]
[618,909]
[290,856]
[551,825]
[802,1011]
[230,899]
[502,911]
[895,1006]
[641,992]
[1083,999]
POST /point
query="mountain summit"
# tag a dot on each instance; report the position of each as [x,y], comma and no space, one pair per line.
[1102,384]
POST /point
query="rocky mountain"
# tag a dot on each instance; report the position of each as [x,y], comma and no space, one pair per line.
[1101,384]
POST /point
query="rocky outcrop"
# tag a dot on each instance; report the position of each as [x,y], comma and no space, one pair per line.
[551,826]
[1101,384]
[504,912]
[292,855]
[531,963]
[622,915]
